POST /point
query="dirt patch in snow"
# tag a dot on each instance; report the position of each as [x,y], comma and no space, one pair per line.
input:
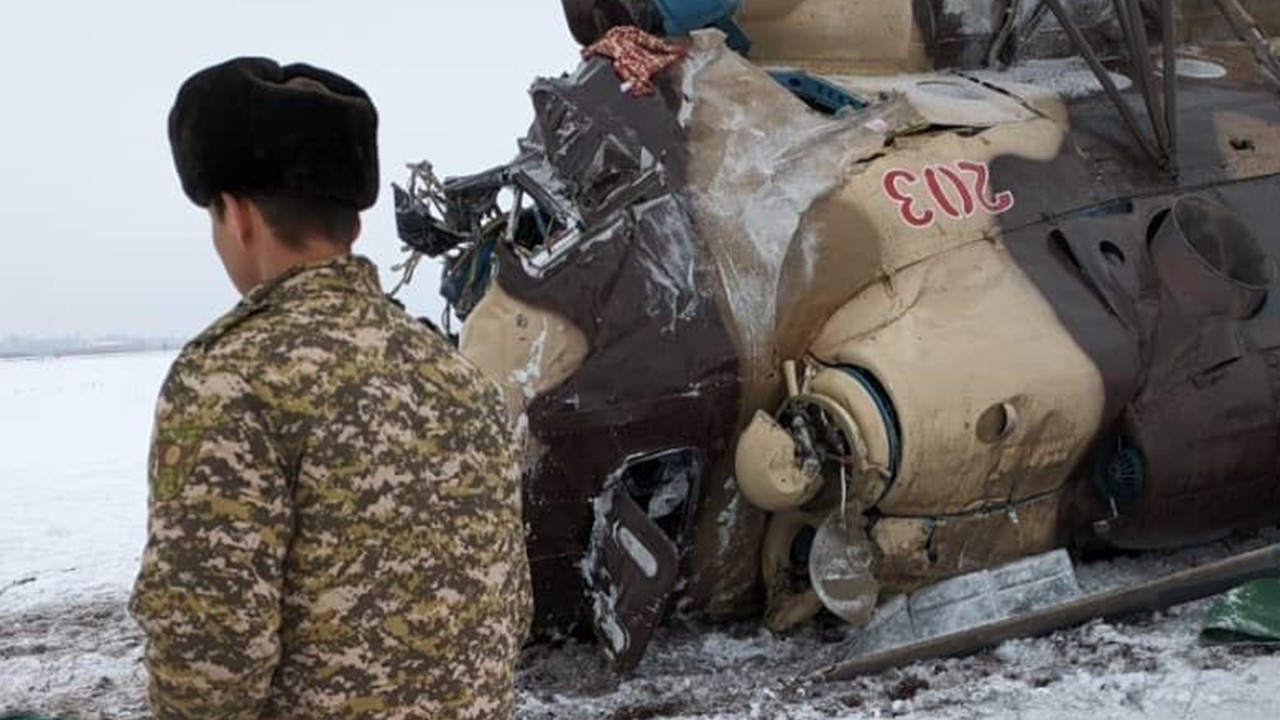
[1151,667]
[82,659]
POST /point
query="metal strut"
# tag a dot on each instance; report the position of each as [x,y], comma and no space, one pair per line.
[1140,56]
[1168,42]
[1250,33]
[1108,85]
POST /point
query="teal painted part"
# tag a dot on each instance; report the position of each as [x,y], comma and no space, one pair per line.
[817,92]
[1248,614]
[680,17]
[888,415]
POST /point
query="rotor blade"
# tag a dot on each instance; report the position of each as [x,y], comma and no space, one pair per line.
[1165,592]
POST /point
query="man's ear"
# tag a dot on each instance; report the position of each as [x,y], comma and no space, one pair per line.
[239,215]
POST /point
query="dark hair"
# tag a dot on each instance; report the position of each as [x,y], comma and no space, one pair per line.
[294,220]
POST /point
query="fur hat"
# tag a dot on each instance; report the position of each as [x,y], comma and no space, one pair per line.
[251,126]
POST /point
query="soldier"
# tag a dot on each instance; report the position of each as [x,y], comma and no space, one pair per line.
[334,525]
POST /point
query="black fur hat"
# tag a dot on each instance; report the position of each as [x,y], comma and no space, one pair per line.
[251,126]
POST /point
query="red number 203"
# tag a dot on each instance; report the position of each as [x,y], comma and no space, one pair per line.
[958,190]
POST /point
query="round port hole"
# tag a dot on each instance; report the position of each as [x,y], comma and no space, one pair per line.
[997,423]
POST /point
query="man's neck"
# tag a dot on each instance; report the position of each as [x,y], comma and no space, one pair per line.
[283,259]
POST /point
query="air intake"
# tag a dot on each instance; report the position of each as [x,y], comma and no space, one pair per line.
[1210,259]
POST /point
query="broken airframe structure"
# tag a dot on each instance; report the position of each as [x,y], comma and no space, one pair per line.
[822,336]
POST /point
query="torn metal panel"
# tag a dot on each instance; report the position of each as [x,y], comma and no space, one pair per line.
[600,244]
[758,160]
[954,309]
[761,159]
[630,571]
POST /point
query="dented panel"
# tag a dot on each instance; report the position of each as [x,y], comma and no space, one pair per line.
[951,314]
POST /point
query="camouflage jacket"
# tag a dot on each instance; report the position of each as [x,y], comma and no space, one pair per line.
[335,526]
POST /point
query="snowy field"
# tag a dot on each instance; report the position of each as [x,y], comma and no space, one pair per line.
[74,434]
[72,496]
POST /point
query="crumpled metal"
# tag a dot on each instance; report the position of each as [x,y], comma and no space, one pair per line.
[637,57]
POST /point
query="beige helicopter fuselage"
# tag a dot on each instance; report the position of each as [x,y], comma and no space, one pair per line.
[979,246]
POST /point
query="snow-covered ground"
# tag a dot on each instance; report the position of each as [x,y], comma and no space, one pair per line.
[73,487]
[73,439]
[73,442]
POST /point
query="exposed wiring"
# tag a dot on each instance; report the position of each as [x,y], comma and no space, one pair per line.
[407,269]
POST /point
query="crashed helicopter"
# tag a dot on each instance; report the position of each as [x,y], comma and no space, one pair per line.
[868,295]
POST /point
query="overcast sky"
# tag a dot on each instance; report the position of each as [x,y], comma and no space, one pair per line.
[98,237]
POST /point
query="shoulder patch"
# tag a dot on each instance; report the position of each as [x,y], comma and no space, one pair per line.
[175,454]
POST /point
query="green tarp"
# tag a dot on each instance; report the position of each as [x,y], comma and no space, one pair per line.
[1248,614]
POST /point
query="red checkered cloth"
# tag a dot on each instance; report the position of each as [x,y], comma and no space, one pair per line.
[637,56]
